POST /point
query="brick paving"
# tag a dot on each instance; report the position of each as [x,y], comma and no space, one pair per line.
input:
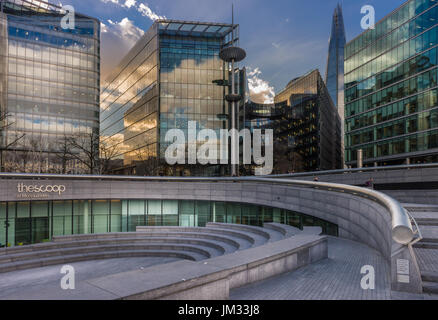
[427,259]
[337,277]
[33,283]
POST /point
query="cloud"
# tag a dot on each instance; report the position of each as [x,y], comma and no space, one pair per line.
[130,3]
[110,1]
[147,12]
[142,8]
[260,90]
[117,39]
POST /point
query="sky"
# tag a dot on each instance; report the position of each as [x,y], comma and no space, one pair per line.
[284,39]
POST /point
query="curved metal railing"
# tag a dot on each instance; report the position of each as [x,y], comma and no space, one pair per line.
[402,230]
[353,170]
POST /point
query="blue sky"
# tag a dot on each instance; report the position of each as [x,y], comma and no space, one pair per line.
[283,38]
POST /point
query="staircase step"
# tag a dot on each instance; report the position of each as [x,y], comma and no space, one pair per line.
[426,245]
[429,276]
[430,287]
[429,240]
[427,222]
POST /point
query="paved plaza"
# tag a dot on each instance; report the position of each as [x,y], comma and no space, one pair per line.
[33,283]
[335,278]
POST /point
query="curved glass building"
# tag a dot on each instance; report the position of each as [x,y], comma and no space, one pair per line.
[34,209]
[50,82]
[170,77]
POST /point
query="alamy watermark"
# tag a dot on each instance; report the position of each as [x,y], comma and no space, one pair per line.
[205,147]
[369,20]
[68,281]
[368,281]
[68,21]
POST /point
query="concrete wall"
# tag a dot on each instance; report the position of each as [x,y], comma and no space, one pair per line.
[358,218]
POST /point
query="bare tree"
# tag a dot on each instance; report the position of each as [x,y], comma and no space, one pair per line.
[84,148]
[4,145]
[148,165]
[107,153]
[63,153]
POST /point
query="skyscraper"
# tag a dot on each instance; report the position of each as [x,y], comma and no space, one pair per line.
[334,77]
[49,84]
[173,75]
[391,88]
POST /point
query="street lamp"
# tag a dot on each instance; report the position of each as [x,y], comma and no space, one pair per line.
[232,55]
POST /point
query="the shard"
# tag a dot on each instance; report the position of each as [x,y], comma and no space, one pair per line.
[335,63]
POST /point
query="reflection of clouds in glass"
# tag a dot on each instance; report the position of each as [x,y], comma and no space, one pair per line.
[48,124]
[184,79]
[142,125]
[117,38]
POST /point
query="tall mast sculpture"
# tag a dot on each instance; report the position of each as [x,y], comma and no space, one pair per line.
[233,54]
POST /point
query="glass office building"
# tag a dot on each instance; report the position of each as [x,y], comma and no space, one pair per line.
[334,78]
[49,80]
[308,131]
[391,88]
[30,222]
[164,82]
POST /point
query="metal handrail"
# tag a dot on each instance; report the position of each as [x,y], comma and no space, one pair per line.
[402,231]
[353,170]
[417,231]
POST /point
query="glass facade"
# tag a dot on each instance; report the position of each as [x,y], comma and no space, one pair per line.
[307,127]
[163,83]
[38,221]
[50,84]
[334,78]
[129,104]
[391,88]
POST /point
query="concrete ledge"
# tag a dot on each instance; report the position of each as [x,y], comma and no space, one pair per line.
[286,230]
[212,279]
[236,234]
[241,227]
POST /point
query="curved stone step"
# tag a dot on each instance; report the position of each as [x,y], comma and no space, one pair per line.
[430,240]
[259,235]
[430,287]
[249,239]
[36,263]
[426,245]
[222,247]
[269,234]
[429,276]
[316,231]
[286,230]
[230,241]
[104,248]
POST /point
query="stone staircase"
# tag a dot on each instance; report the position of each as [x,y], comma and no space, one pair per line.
[192,243]
[427,249]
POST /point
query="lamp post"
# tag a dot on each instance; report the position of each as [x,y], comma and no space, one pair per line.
[233,54]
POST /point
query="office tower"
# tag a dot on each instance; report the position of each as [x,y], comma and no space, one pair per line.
[173,75]
[391,88]
[49,86]
[307,127]
[334,78]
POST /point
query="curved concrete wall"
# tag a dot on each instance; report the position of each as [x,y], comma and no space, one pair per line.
[358,218]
